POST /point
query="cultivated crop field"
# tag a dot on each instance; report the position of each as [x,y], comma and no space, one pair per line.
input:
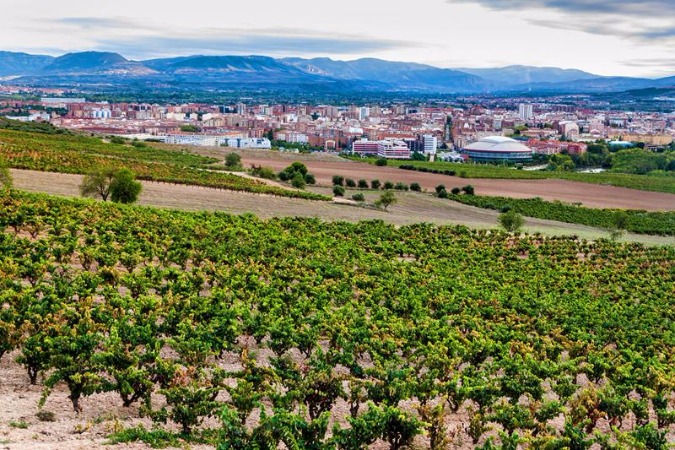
[590,195]
[411,207]
[234,331]
[83,154]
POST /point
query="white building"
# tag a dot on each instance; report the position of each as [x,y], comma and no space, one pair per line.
[393,149]
[430,144]
[262,143]
[525,111]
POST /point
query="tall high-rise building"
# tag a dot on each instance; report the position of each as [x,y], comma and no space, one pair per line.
[525,111]
[430,144]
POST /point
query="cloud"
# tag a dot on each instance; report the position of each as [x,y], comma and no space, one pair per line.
[147,40]
[645,20]
[652,8]
[96,22]
[148,47]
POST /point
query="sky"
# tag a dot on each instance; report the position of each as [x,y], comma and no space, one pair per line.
[605,37]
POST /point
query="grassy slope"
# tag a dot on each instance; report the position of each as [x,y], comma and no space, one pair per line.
[69,153]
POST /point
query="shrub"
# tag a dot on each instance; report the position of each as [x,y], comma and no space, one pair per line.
[439,188]
[456,191]
[415,187]
[338,191]
[381,162]
[350,183]
[338,180]
[468,189]
[400,186]
[363,184]
[358,197]
[263,172]
[310,179]
[375,184]
[298,181]
[511,221]
[443,194]
[388,185]
[233,161]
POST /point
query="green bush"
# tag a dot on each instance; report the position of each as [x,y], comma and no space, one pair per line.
[359,197]
[375,184]
[363,184]
[415,187]
[338,191]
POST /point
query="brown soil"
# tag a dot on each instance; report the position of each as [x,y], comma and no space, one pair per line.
[592,195]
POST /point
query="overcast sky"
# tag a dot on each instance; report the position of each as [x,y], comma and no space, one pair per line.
[607,37]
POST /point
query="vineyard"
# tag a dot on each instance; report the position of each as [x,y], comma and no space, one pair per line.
[248,334]
[645,222]
[657,183]
[82,155]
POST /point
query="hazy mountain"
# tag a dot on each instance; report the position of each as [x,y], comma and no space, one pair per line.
[16,64]
[322,74]
[400,75]
[95,63]
[519,75]
[596,85]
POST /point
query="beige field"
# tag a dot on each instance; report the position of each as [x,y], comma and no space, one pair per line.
[411,207]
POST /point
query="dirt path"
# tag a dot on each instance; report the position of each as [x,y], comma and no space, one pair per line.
[592,195]
[411,207]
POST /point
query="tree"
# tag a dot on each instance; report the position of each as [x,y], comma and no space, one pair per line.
[5,175]
[363,183]
[415,187]
[375,184]
[468,189]
[381,162]
[233,161]
[338,180]
[97,184]
[124,188]
[297,174]
[338,191]
[386,199]
[298,181]
[511,221]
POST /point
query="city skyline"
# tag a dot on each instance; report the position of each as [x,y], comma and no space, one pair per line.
[603,37]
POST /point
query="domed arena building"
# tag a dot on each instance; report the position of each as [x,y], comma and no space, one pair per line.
[498,148]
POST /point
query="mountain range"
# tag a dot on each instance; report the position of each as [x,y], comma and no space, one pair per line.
[368,74]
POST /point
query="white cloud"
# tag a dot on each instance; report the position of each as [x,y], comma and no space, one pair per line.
[454,33]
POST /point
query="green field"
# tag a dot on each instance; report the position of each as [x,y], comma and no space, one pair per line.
[657,183]
[316,335]
[644,222]
[78,154]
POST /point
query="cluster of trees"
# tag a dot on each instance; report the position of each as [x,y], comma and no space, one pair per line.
[441,191]
[298,175]
[268,326]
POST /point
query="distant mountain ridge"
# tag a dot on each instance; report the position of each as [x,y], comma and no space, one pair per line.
[366,74]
